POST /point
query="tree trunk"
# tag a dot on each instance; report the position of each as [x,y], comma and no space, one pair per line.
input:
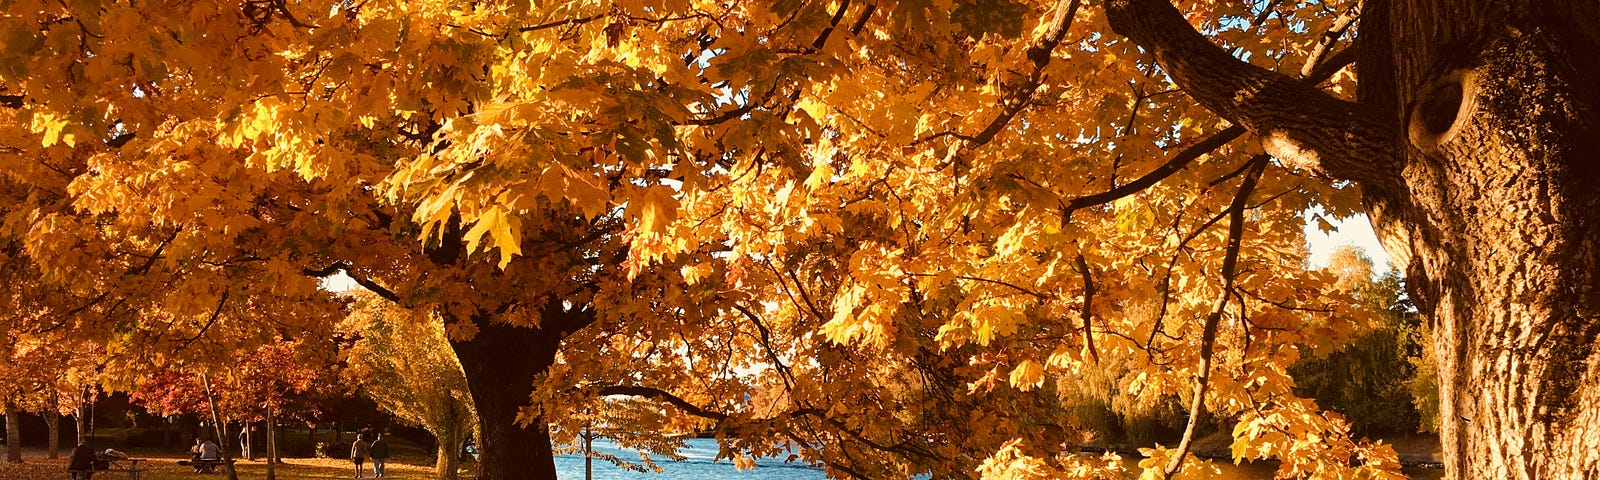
[53,420]
[1500,221]
[588,455]
[84,414]
[447,464]
[1475,143]
[501,363]
[80,425]
[216,420]
[13,436]
[272,446]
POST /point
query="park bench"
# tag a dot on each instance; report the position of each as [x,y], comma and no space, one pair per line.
[204,466]
[129,466]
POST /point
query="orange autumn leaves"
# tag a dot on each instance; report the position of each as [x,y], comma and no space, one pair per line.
[878,183]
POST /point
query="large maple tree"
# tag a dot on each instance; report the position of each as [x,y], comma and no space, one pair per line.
[898,213]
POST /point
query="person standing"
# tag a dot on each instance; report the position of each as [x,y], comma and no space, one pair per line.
[359,452]
[244,442]
[379,453]
[81,463]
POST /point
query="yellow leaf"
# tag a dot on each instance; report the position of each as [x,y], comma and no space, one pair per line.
[657,209]
[502,233]
[1028,375]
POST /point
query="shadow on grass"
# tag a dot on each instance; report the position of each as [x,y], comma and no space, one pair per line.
[165,467]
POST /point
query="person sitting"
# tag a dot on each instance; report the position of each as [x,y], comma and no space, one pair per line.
[210,451]
[80,463]
[207,455]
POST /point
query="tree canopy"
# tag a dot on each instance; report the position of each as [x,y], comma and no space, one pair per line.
[882,235]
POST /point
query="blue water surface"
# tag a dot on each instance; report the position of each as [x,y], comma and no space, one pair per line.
[698,463]
[700,454]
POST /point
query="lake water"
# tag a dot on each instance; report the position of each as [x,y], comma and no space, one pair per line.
[699,463]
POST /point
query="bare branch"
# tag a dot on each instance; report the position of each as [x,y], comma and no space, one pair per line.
[766,344]
[151,261]
[1002,283]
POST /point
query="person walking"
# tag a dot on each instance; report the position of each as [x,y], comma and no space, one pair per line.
[359,452]
[379,453]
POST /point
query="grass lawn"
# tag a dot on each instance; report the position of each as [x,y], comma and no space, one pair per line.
[165,467]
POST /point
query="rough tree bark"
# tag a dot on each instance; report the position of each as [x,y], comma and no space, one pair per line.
[272,444]
[13,436]
[83,414]
[1476,141]
[53,421]
[501,363]
[448,462]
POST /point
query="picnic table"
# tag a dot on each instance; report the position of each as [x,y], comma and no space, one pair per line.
[129,466]
[205,465]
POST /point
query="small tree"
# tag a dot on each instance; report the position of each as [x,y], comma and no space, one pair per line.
[1370,380]
[275,380]
[403,362]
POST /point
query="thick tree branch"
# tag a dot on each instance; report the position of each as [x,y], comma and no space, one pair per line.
[221,301]
[1321,72]
[361,280]
[1340,26]
[1325,69]
[1208,337]
[663,396]
[766,344]
[1300,125]
[151,261]
[1088,308]
[1019,94]
[120,140]
[1172,166]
